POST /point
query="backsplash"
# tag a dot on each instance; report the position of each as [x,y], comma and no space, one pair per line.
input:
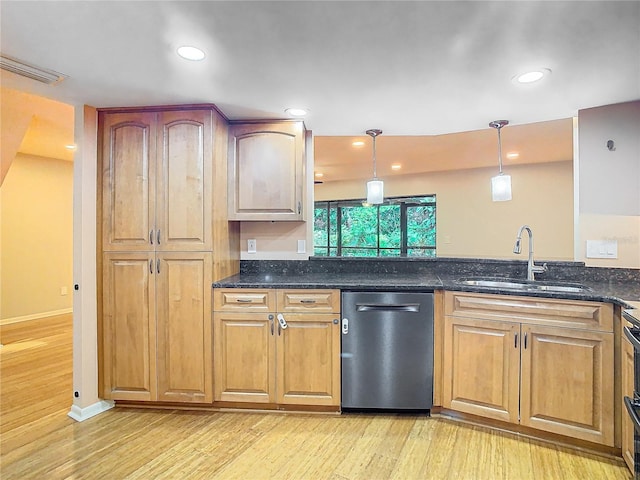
[567,271]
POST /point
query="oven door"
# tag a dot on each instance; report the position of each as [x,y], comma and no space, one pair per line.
[634,412]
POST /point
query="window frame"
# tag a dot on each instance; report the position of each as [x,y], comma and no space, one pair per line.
[404,202]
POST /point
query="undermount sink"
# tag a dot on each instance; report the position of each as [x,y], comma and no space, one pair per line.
[510,284]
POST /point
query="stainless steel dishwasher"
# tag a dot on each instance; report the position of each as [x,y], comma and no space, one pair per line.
[387,351]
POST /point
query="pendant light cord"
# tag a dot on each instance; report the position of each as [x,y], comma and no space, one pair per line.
[499,152]
[498,124]
[373,133]
[374,158]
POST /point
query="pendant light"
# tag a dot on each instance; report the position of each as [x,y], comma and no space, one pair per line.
[501,183]
[375,187]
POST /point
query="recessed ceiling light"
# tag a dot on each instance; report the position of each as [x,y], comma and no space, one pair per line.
[358,143]
[532,76]
[189,52]
[513,155]
[296,112]
[396,166]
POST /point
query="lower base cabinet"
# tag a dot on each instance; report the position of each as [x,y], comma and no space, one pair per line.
[259,360]
[541,363]
[156,327]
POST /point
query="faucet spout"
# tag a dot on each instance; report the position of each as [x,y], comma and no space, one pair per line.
[532,268]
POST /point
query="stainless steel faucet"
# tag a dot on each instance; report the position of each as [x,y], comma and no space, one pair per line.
[532,268]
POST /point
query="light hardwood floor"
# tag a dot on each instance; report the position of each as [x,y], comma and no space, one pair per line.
[39,441]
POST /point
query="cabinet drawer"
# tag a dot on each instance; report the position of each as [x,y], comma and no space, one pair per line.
[316,301]
[245,300]
[544,311]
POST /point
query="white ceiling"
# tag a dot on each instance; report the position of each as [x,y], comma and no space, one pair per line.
[409,68]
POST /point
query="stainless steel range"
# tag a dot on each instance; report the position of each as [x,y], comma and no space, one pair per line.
[633,404]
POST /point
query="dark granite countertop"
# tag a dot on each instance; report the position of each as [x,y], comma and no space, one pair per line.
[619,286]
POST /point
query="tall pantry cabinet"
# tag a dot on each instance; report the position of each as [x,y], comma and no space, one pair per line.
[164,238]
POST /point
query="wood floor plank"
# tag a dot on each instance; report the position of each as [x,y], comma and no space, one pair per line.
[38,439]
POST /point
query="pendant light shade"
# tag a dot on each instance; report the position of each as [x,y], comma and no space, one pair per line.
[375,187]
[501,183]
[501,188]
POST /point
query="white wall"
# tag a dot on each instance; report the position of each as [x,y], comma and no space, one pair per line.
[609,182]
[470,224]
[37,233]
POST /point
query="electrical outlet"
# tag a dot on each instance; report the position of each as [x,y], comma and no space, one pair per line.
[602,249]
[63,291]
[251,246]
[302,246]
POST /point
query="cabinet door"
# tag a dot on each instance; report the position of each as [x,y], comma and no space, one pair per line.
[183,285]
[129,332]
[567,385]
[266,167]
[627,390]
[244,357]
[481,367]
[128,180]
[185,179]
[308,365]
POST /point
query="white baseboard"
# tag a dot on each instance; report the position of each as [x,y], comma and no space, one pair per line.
[34,316]
[81,414]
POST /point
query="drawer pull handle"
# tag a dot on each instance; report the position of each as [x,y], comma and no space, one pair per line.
[243,300]
[307,301]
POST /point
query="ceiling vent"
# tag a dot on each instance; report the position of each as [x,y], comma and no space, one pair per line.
[10,64]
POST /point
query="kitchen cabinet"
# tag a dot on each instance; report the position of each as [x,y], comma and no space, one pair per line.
[628,373]
[157,170]
[157,336]
[266,171]
[164,238]
[256,360]
[541,363]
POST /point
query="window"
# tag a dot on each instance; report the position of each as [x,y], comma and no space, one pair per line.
[399,227]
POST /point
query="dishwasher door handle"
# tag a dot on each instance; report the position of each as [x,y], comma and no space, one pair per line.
[382,307]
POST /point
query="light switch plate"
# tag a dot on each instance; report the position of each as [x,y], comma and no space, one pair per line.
[252,246]
[302,246]
[602,249]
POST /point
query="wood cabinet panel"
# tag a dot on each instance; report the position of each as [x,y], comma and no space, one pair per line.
[185,179]
[308,363]
[244,357]
[567,382]
[258,361]
[565,375]
[128,180]
[244,300]
[555,312]
[309,301]
[266,171]
[481,368]
[129,326]
[184,336]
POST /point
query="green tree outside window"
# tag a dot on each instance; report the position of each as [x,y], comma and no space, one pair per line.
[399,227]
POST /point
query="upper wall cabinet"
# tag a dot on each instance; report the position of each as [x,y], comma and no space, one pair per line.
[266,171]
[156,180]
